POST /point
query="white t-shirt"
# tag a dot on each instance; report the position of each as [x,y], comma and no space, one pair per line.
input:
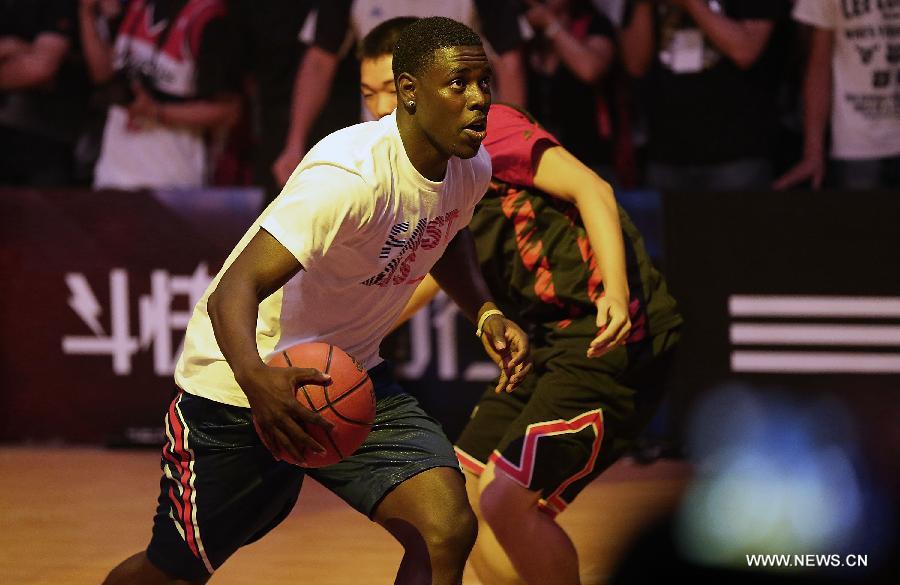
[152,156]
[865,117]
[367,227]
[367,14]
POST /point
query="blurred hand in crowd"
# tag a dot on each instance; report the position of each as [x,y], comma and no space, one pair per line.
[811,169]
[143,109]
[539,15]
[285,164]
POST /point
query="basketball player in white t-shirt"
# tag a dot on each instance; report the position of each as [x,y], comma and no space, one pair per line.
[368,213]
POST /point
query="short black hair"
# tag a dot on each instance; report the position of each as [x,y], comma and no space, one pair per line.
[420,40]
[382,39]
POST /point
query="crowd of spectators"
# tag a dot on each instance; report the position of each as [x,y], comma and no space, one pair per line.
[669,94]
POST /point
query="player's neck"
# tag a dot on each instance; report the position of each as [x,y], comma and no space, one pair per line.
[421,151]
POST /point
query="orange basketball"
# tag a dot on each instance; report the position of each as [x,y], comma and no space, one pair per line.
[348,402]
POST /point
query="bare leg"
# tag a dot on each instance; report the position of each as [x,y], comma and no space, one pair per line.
[488,558]
[541,552]
[429,515]
[138,570]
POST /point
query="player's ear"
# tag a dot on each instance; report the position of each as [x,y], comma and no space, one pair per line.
[406,91]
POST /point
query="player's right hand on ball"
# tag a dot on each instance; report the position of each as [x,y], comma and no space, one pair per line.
[278,415]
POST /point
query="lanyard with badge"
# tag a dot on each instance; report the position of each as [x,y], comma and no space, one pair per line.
[685,51]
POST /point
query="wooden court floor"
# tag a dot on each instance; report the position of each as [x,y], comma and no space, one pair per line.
[69,514]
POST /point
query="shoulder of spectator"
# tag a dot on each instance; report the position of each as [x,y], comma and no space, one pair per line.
[500,24]
[815,13]
[333,21]
[219,58]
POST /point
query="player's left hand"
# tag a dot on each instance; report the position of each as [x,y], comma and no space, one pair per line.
[614,324]
[507,345]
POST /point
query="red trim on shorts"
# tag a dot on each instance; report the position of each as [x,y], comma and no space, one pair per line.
[184,476]
[555,501]
[523,472]
[177,447]
[468,462]
[169,456]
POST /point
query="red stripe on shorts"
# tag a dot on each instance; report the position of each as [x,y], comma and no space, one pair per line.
[184,477]
[523,472]
[468,462]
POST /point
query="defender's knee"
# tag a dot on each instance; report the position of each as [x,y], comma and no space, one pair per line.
[502,500]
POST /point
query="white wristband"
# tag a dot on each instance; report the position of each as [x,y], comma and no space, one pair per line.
[483,318]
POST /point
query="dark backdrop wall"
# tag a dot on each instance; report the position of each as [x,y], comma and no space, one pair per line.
[799,291]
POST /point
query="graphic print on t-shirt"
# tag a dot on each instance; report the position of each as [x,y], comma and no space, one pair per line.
[871,39]
[163,52]
[427,234]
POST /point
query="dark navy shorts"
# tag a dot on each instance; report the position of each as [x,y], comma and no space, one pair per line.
[570,419]
[221,488]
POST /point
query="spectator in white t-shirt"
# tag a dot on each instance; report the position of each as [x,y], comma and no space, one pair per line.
[853,72]
[173,78]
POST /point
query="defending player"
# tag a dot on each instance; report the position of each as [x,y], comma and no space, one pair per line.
[559,254]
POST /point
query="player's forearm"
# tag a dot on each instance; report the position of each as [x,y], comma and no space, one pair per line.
[458,274]
[817,93]
[201,114]
[600,214]
[741,41]
[233,308]
[312,87]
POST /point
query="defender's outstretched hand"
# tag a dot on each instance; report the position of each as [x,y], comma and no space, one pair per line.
[507,345]
[614,324]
